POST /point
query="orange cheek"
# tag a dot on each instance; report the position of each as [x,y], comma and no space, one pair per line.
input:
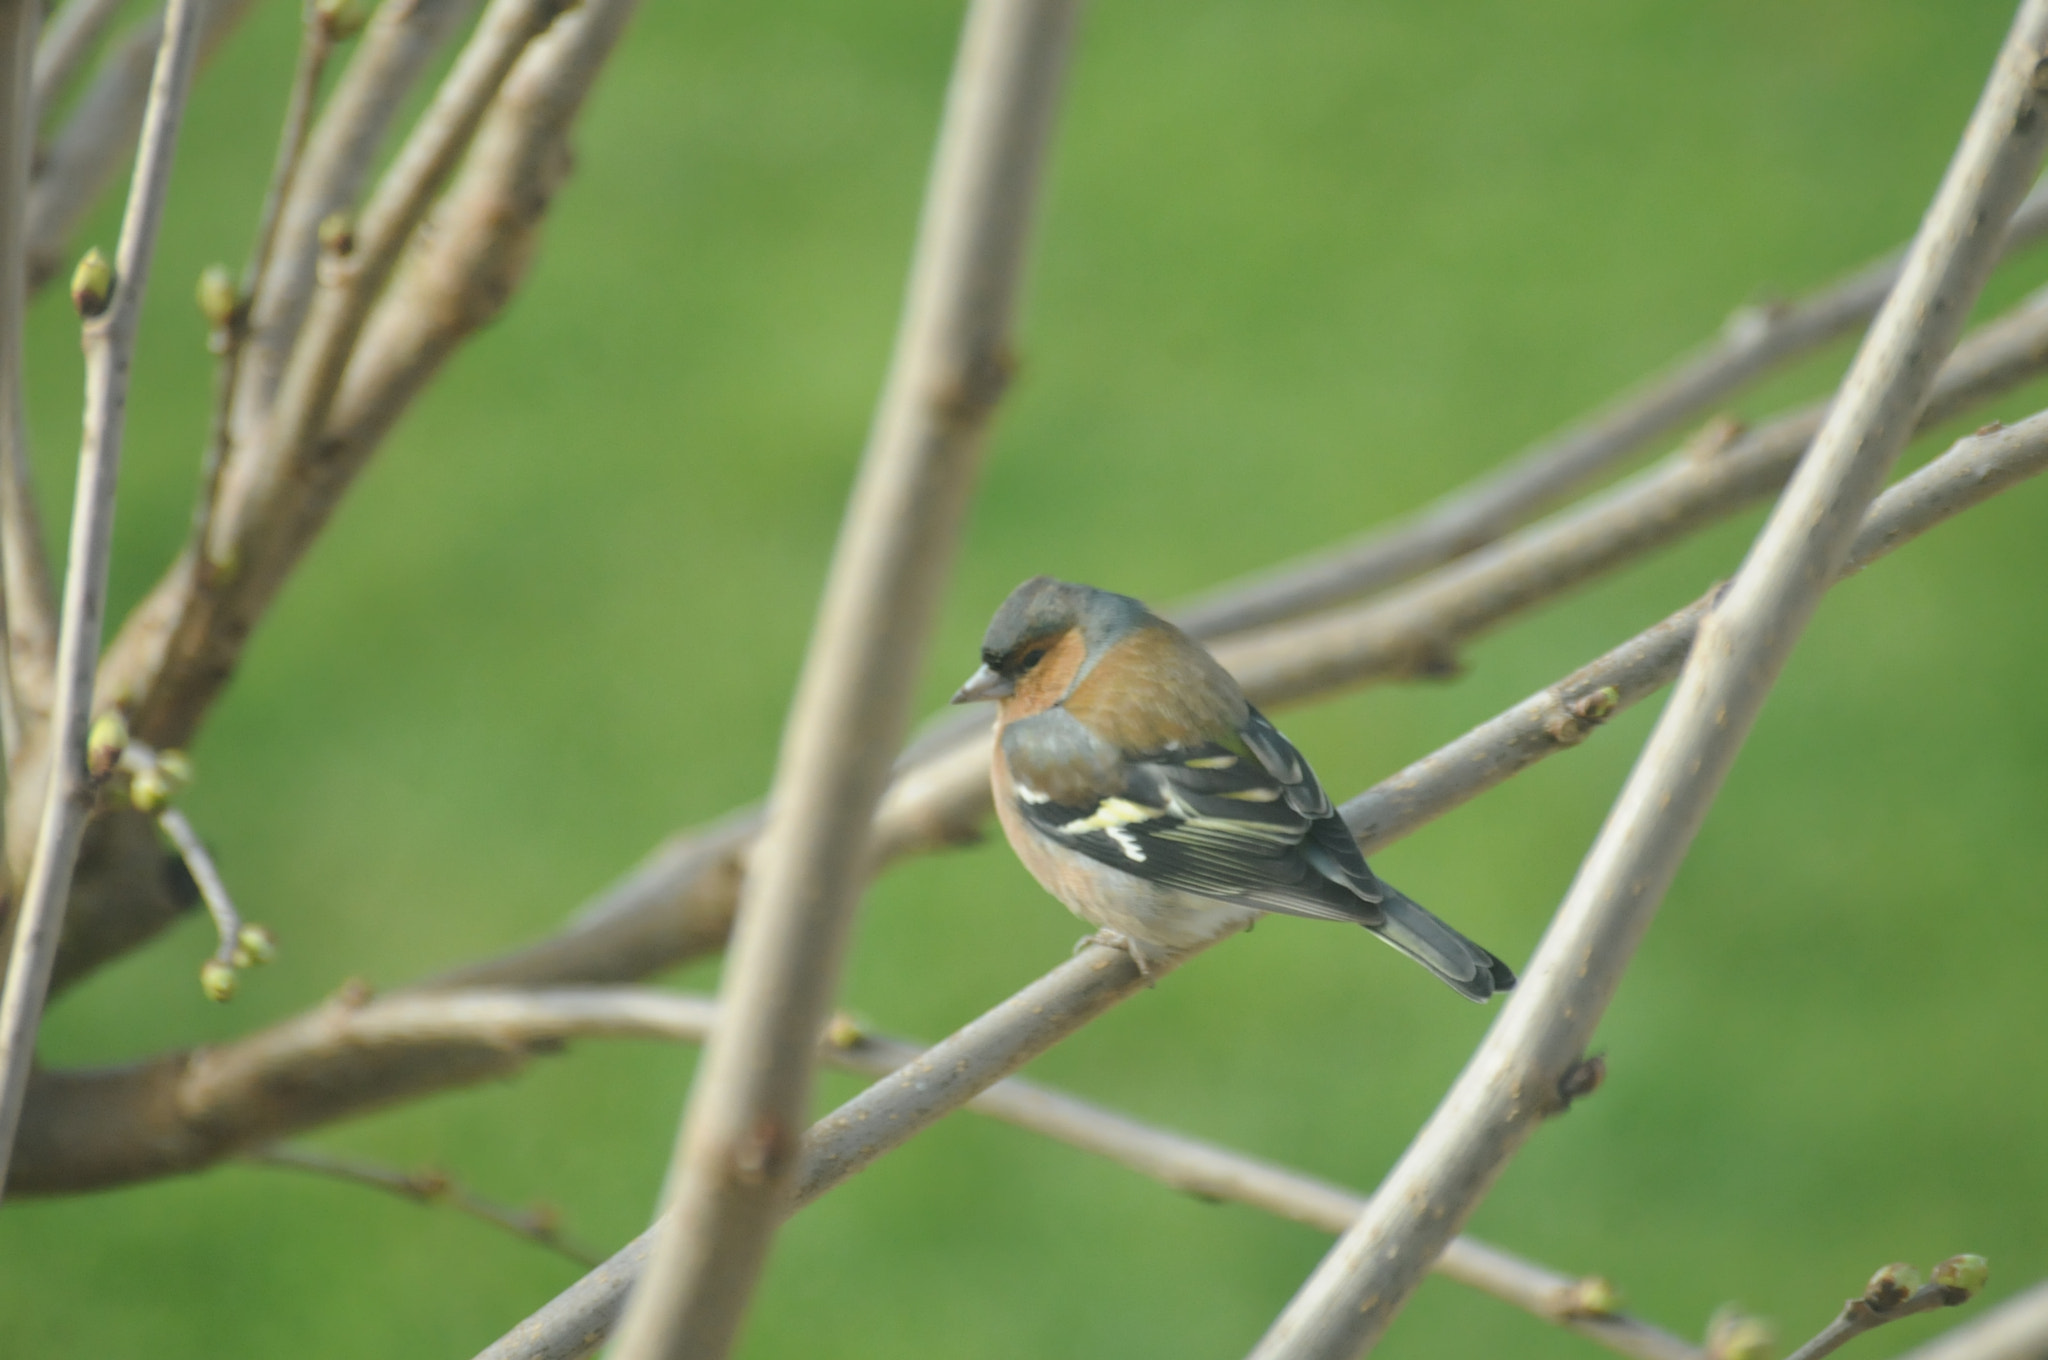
[1044,684]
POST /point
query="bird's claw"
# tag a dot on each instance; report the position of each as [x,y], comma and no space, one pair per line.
[1116,939]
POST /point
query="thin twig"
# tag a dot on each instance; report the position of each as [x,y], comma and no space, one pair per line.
[184,1110]
[100,134]
[540,1225]
[679,902]
[316,44]
[25,603]
[255,493]
[395,52]
[991,1047]
[475,249]
[1757,341]
[1511,1083]
[2015,1330]
[67,40]
[735,1156]
[1896,1292]
[258,526]
[109,340]
[1211,1172]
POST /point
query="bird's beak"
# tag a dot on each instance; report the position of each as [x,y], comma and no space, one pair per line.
[984,684]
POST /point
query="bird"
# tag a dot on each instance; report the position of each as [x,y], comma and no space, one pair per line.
[1143,790]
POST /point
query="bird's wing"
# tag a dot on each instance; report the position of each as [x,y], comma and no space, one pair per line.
[1240,820]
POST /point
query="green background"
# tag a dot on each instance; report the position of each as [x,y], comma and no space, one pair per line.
[1303,266]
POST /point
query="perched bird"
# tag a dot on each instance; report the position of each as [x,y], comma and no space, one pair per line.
[1141,789]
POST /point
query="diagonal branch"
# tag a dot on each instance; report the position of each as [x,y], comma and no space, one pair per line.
[1508,1086]
[1755,342]
[109,337]
[278,484]
[1894,1292]
[26,614]
[95,142]
[2015,1330]
[186,1110]
[67,40]
[679,903]
[991,1047]
[396,49]
[735,1158]
[539,1225]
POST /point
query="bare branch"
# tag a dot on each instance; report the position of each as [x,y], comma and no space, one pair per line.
[109,338]
[890,1112]
[1217,1173]
[1974,469]
[1510,1084]
[402,40]
[67,40]
[88,1130]
[1895,1292]
[1755,342]
[194,624]
[680,901]
[1419,628]
[735,1158]
[230,316]
[473,255]
[96,141]
[2015,1330]
[26,609]
[540,1225]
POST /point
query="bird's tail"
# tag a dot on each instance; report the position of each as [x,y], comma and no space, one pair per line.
[1410,928]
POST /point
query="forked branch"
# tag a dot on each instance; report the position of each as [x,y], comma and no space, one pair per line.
[1498,1100]
[113,309]
[735,1159]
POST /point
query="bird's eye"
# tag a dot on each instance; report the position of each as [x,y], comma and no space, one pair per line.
[1031,658]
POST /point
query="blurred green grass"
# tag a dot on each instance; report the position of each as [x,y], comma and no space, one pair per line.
[1304,266]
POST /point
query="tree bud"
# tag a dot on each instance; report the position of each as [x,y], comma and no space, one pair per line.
[1892,1286]
[105,743]
[254,944]
[92,284]
[219,300]
[217,980]
[1960,1277]
[149,791]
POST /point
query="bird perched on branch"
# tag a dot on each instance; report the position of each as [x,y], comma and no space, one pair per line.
[1141,789]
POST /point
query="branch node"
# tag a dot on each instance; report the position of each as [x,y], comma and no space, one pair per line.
[1734,1335]
[1714,438]
[1581,1079]
[1594,1296]
[1892,1286]
[92,284]
[1961,1277]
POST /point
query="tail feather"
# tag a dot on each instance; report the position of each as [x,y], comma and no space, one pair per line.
[1410,928]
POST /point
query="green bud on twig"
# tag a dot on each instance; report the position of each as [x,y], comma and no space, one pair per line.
[176,767]
[1598,706]
[1592,1297]
[92,284]
[1892,1286]
[105,743]
[254,944]
[149,791]
[1961,1277]
[342,19]
[1734,1335]
[843,1031]
[217,980]
[337,234]
[219,300]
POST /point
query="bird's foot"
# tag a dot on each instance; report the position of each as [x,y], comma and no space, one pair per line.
[1116,939]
